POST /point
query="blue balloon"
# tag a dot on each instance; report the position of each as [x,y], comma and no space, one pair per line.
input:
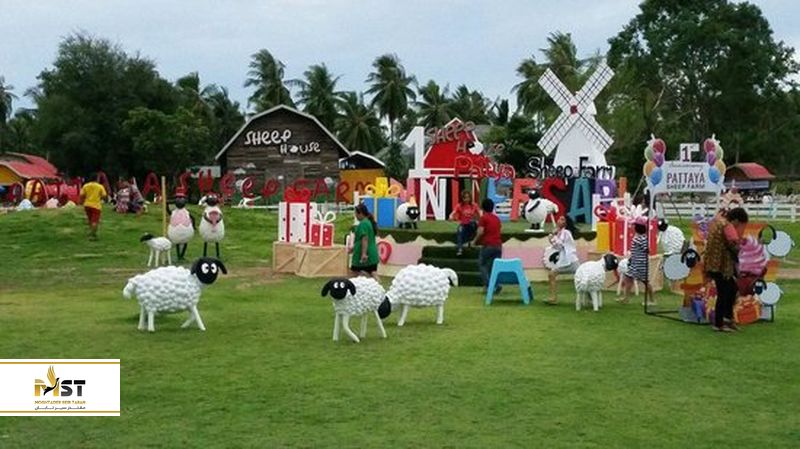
[713,174]
[2,189]
[656,175]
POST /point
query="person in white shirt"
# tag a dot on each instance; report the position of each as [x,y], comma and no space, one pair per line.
[564,257]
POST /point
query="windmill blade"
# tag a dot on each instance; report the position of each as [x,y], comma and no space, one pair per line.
[594,132]
[594,85]
[556,132]
[557,90]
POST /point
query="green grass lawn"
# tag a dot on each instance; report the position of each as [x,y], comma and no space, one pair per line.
[266,374]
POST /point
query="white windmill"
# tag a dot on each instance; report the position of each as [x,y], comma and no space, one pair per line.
[575,132]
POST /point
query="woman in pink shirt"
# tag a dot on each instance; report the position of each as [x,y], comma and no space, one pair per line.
[467,214]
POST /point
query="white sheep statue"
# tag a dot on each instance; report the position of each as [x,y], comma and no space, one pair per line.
[590,278]
[421,286]
[172,289]
[407,215]
[158,246]
[622,271]
[181,226]
[212,226]
[670,237]
[358,296]
[537,209]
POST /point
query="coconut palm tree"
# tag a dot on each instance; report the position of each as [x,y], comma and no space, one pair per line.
[226,112]
[318,93]
[433,105]
[358,126]
[470,105]
[391,89]
[6,100]
[266,75]
[560,56]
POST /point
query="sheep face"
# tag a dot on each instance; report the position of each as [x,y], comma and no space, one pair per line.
[534,194]
[147,236]
[207,269]
[413,213]
[662,224]
[610,262]
[212,200]
[180,202]
[690,257]
[338,288]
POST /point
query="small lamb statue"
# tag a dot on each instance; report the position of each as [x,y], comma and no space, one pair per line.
[158,246]
[422,286]
[358,296]
[172,289]
[590,279]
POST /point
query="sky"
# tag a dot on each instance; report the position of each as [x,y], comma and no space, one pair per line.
[474,42]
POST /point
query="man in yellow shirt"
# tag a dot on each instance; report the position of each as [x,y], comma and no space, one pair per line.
[92,196]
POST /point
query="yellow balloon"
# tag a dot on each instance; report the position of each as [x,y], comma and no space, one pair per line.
[720,166]
[649,166]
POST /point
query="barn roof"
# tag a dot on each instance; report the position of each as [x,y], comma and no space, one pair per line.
[360,159]
[343,152]
[28,166]
[752,170]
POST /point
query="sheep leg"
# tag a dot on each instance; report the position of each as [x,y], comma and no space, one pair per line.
[403,315]
[197,318]
[151,321]
[336,319]
[619,284]
[440,314]
[364,319]
[578,299]
[169,257]
[150,259]
[189,321]
[216,244]
[595,300]
[347,330]
[205,249]
[380,324]
[141,318]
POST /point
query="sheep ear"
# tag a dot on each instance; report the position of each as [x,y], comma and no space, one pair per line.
[221,266]
[351,287]
[196,265]
[326,288]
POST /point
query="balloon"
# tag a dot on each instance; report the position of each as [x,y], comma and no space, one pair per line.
[655,176]
[648,153]
[659,146]
[711,158]
[709,145]
[658,158]
[720,166]
[720,154]
[648,167]
[713,174]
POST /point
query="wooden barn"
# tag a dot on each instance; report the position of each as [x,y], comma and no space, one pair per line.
[283,141]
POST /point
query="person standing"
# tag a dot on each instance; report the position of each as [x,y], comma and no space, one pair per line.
[467,214]
[638,265]
[488,235]
[562,240]
[365,246]
[722,248]
[92,195]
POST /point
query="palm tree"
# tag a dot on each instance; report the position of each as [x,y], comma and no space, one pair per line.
[266,75]
[6,100]
[470,105]
[358,126]
[560,56]
[433,105]
[318,93]
[226,112]
[391,89]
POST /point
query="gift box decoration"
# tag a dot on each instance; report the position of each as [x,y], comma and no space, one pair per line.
[383,209]
[322,229]
[747,310]
[624,232]
[294,216]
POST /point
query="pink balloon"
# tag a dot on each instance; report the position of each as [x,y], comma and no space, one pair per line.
[709,146]
[659,146]
[658,158]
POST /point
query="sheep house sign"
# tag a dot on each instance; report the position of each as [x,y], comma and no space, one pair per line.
[283,143]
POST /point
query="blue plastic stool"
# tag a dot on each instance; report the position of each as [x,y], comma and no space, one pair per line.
[509,271]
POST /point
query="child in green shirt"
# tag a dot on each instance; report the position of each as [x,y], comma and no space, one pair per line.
[365,246]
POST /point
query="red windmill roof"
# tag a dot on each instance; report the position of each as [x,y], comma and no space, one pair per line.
[753,170]
[29,166]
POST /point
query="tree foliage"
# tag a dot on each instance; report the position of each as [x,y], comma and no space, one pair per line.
[266,75]
[392,89]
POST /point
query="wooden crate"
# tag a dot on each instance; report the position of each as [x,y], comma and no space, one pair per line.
[321,261]
[284,257]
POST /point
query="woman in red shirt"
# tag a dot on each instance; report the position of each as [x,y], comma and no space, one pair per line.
[467,214]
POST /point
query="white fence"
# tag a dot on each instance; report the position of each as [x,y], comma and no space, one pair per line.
[773,211]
